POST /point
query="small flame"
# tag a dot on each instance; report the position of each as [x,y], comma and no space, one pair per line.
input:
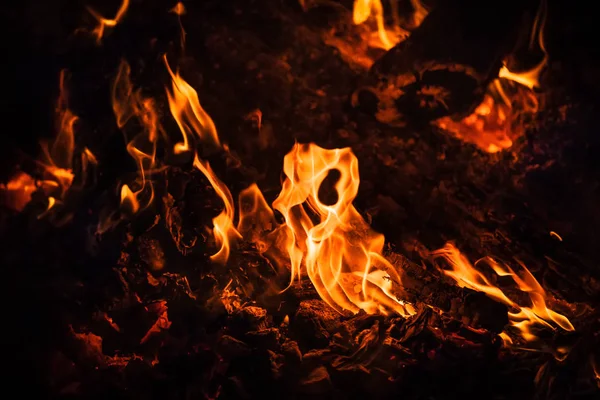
[341,254]
[256,217]
[525,317]
[189,114]
[16,193]
[595,370]
[180,10]
[363,9]
[98,32]
[127,104]
[224,229]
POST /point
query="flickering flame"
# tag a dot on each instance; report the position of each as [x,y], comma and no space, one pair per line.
[128,104]
[341,254]
[98,32]
[16,193]
[193,121]
[189,114]
[495,123]
[595,370]
[363,9]
[57,157]
[224,230]
[522,317]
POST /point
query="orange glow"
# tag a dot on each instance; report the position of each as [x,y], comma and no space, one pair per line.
[16,194]
[256,217]
[98,32]
[556,235]
[496,122]
[341,254]
[127,104]
[385,38]
[224,230]
[189,114]
[523,318]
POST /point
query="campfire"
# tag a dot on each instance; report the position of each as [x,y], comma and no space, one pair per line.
[309,198]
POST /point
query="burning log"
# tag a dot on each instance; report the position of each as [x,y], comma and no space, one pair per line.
[445,65]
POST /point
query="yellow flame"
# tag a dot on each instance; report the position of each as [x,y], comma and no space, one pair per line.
[524,317]
[189,114]
[98,32]
[341,254]
[363,9]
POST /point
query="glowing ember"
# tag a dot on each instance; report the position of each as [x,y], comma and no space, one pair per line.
[524,318]
[98,32]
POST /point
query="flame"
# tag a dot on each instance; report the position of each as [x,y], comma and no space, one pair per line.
[595,370]
[98,32]
[495,123]
[16,193]
[341,254]
[256,217]
[127,104]
[189,114]
[224,229]
[193,120]
[524,318]
[363,9]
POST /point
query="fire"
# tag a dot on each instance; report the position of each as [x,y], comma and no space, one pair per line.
[387,37]
[523,317]
[16,193]
[98,32]
[341,254]
[496,122]
[127,104]
[189,114]
[193,121]
[224,230]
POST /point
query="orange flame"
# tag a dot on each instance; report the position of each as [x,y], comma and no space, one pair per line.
[127,104]
[525,317]
[105,22]
[194,121]
[57,158]
[341,254]
[495,123]
[224,230]
[16,193]
[189,114]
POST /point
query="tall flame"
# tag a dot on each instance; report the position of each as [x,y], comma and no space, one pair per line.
[193,121]
[341,254]
[127,104]
[98,32]
[524,318]
[189,114]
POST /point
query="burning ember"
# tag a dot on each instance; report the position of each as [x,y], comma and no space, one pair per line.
[198,268]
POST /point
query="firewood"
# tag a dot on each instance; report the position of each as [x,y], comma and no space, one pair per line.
[445,65]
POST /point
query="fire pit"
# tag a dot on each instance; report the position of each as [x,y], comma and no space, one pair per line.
[332,199]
